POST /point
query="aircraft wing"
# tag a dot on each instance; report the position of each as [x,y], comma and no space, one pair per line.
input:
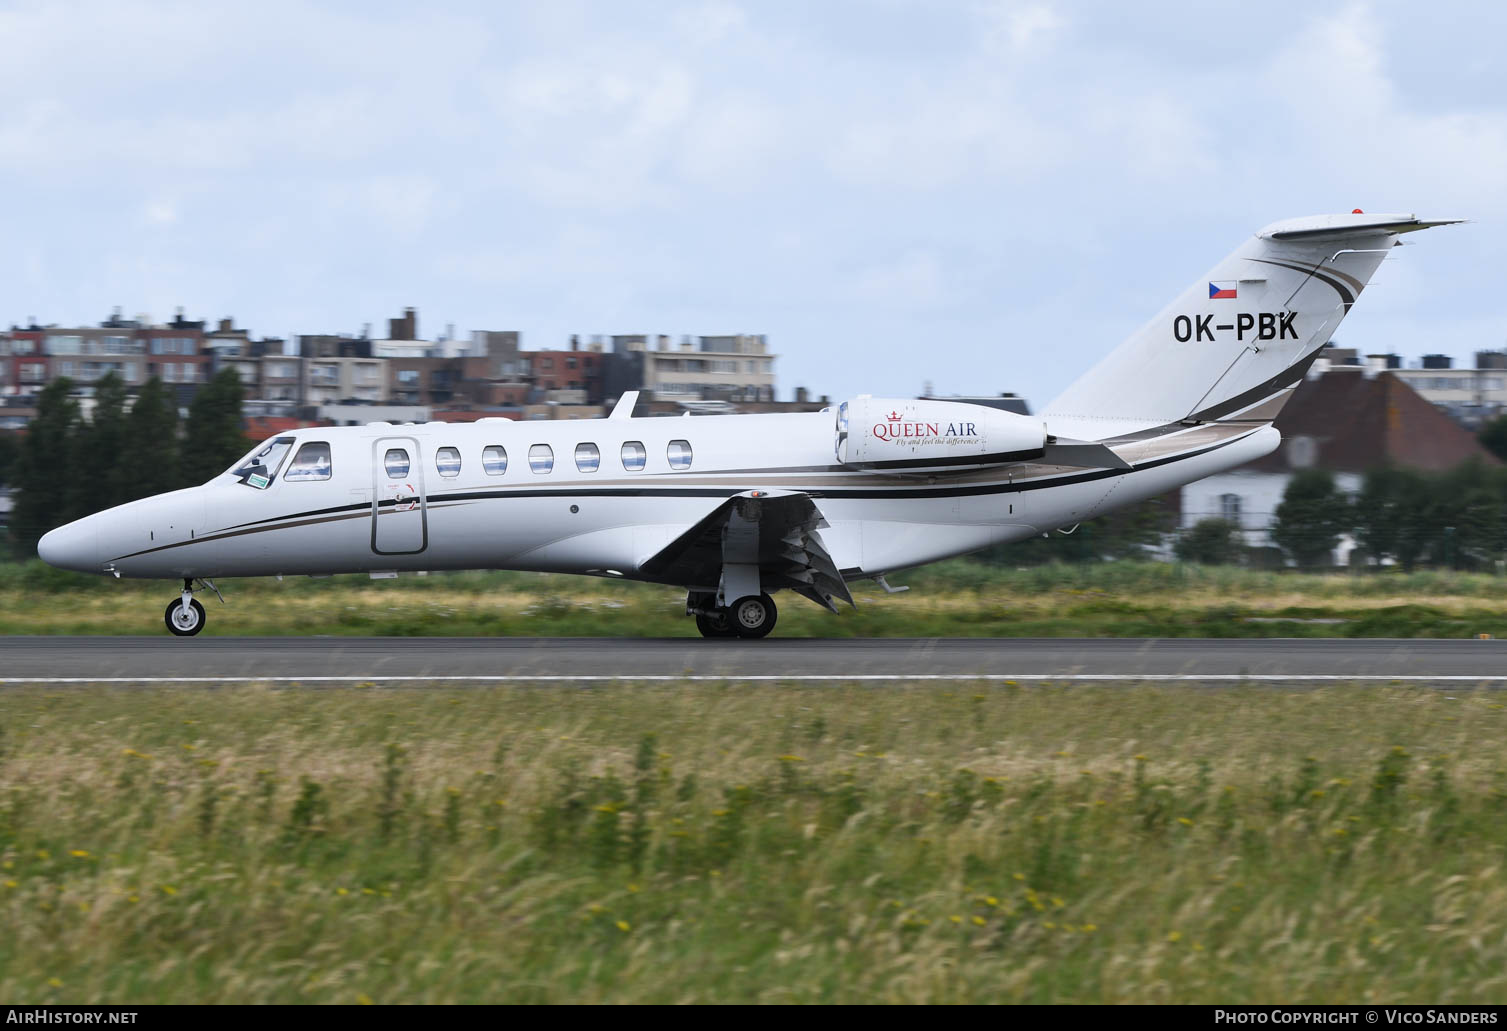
[773,529]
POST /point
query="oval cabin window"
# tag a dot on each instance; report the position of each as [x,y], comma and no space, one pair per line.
[447,461]
[541,458]
[494,459]
[396,463]
[588,458]
[679,453]
[634,456]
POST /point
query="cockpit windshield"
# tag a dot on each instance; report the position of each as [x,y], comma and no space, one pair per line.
[260,467]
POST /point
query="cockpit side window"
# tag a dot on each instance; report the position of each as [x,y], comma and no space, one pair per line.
[311,463]
[259,468]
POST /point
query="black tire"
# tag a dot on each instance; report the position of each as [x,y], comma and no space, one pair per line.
[185,629]
[715,626]
[753,616]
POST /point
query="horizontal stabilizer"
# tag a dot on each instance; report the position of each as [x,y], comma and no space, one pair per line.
[1317,228]
[1081,454]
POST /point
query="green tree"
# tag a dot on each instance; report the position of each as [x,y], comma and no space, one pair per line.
[151,442]
[1211,542]
[97,474]
[43,476]
[213,437]
[1312,515]
[1402,514]
[1467,510]
[10,449]
[1493,437]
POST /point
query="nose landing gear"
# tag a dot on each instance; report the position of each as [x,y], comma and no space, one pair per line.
[185,616]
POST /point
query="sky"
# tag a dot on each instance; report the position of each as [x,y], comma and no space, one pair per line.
[972,196]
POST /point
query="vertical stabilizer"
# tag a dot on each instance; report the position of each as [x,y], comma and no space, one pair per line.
[1234,343]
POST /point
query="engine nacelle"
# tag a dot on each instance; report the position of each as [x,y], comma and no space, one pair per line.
[880,433]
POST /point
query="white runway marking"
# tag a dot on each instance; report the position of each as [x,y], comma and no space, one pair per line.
[1233,678]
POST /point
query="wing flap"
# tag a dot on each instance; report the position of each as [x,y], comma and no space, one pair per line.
[776,530]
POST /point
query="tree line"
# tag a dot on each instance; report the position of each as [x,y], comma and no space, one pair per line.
[1455,518]
[65,466]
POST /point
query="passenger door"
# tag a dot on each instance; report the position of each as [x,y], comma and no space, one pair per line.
[400,519]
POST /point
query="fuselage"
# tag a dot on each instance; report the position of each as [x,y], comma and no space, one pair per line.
[598,497]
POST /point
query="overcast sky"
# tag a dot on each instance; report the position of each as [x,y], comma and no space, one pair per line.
[985,196]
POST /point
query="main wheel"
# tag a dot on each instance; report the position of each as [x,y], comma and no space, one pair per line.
[715,625]
[753,616]
[184,622]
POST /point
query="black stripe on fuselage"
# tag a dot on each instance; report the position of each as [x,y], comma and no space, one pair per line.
[586,490]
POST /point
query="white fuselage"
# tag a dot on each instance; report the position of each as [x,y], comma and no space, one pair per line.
[608,519]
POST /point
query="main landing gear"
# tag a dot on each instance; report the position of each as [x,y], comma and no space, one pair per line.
[185,616]
[753,616]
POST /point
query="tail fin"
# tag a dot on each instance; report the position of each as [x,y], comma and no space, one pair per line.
[1234,343]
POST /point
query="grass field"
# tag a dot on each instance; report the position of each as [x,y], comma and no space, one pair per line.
[959,598]
[773,843]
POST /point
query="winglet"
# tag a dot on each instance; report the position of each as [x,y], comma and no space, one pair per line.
[625,405]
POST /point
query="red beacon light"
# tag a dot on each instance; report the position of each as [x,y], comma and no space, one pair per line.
[1356,211]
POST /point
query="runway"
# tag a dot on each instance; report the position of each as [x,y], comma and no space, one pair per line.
[332,661]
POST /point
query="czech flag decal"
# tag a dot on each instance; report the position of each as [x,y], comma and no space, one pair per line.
[1222,291]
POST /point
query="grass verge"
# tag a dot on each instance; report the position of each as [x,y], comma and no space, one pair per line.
[955,599]
[771,844]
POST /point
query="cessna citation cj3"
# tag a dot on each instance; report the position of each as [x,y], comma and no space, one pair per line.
[734,508]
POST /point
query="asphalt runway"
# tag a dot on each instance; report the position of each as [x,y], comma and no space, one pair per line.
[334,660]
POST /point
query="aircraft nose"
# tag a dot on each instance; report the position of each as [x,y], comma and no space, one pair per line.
[75,546]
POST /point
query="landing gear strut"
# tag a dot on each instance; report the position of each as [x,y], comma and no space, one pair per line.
[185,616]
[752,616]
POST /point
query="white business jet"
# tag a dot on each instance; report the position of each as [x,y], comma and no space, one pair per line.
[734,508]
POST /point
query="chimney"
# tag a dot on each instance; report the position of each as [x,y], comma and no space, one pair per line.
[575,342]
[226,324]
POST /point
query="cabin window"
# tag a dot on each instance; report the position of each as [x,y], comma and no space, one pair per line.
[260,467]
[634,456]
[541,458]
[494,459]
[396,463]
[447,461]
[588,458]
[679,453]
[311,463]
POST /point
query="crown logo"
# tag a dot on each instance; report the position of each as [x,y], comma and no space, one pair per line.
[894,417]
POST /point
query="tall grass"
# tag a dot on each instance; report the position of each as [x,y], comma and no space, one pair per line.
[775,844]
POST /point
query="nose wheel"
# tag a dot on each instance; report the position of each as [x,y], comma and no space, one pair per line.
[184,620]
[185,616]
